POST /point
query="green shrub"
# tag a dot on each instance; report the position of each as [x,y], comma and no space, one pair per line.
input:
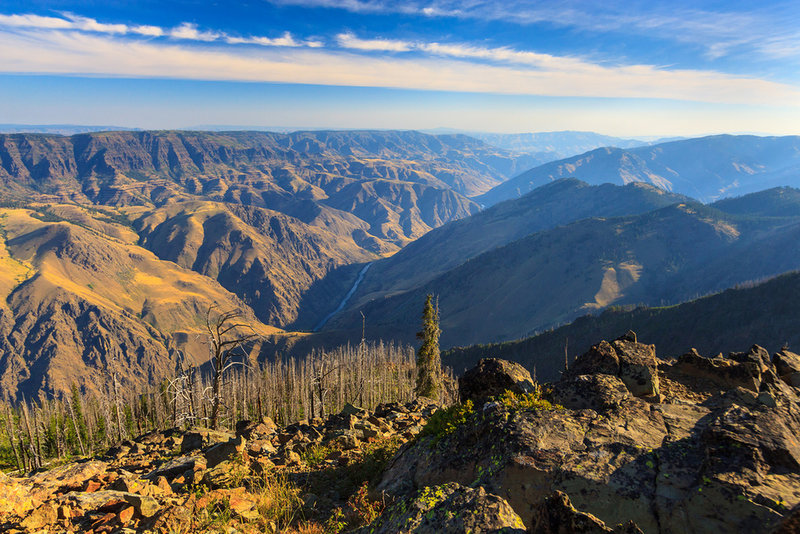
[444,422]
[516,402]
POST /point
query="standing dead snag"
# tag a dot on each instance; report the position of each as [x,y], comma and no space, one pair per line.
[219,332]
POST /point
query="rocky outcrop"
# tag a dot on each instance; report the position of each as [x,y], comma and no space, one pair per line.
[671,445]
[448,508]
[492,377]
[163,479]
[624,443]
[633,363]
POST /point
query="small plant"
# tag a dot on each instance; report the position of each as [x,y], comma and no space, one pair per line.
[446,421]
[362,510]
[315,455]
[526,401]
[336,523]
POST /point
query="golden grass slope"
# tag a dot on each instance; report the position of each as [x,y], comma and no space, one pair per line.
[79,301]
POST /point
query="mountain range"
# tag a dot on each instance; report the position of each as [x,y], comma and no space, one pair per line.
[664,256]
[551,146]
[707,168]
[115,245]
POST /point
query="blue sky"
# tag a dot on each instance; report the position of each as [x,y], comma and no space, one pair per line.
[621,68]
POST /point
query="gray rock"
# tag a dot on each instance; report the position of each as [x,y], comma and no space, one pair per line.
[492,377]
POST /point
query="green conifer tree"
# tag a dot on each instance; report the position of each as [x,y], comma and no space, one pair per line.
[429,361]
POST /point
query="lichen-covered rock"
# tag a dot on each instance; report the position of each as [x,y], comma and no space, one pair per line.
[492,377]
[721,456]
[723,372]
[590,392]
[203,437]
[448,508]
[234,449]
[632,362]
[638,368]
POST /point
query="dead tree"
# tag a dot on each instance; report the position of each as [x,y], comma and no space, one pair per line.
[222,336]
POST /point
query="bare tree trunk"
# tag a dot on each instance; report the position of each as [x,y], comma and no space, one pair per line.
[75,425]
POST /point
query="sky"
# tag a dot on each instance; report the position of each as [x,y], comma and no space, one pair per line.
[633,68]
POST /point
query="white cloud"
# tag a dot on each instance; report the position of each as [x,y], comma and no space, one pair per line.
[285,40]
[348,40]
[186,31]
[149,31]
[91,25]
[189,31]
[34,21]
[464,51]
[76,53]
[767,30]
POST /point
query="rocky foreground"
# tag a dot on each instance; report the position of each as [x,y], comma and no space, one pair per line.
[624,442]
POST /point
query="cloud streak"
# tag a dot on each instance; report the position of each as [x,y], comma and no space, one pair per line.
[56,51]
[767,31]
[186,31]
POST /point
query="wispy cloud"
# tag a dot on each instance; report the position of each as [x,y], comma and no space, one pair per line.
[348,40]
[284,40]
[443,68]
[767,30]
[191,32]
[186,31]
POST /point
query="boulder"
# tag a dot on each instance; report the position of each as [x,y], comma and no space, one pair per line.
[787,365]
[638,367]
[492,377]
[632,362]
[43,516]
[234,449]
[201,438]
[172,468]
[590,392]
[448,508]
[600,359]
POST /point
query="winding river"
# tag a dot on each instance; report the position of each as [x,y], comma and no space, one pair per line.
[346,297]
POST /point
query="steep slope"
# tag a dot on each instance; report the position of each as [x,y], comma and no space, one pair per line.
[298,205]
[551,205]
[706,168]
[765,314]
[668,255]
[267,258]
[80,303]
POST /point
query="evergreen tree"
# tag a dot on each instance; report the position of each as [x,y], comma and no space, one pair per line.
[429,361]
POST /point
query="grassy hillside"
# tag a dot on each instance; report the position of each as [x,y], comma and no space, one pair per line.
[548,278]
[81,300]
[559,203]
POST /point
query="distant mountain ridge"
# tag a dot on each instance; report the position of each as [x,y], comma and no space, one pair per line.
[556,145]
[668,255]
[561,202]
[764,313]
[266,214]
[706,168]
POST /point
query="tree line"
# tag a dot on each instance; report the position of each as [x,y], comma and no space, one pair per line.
[287,390]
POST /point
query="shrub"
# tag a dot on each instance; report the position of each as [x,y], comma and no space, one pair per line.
[444,422]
